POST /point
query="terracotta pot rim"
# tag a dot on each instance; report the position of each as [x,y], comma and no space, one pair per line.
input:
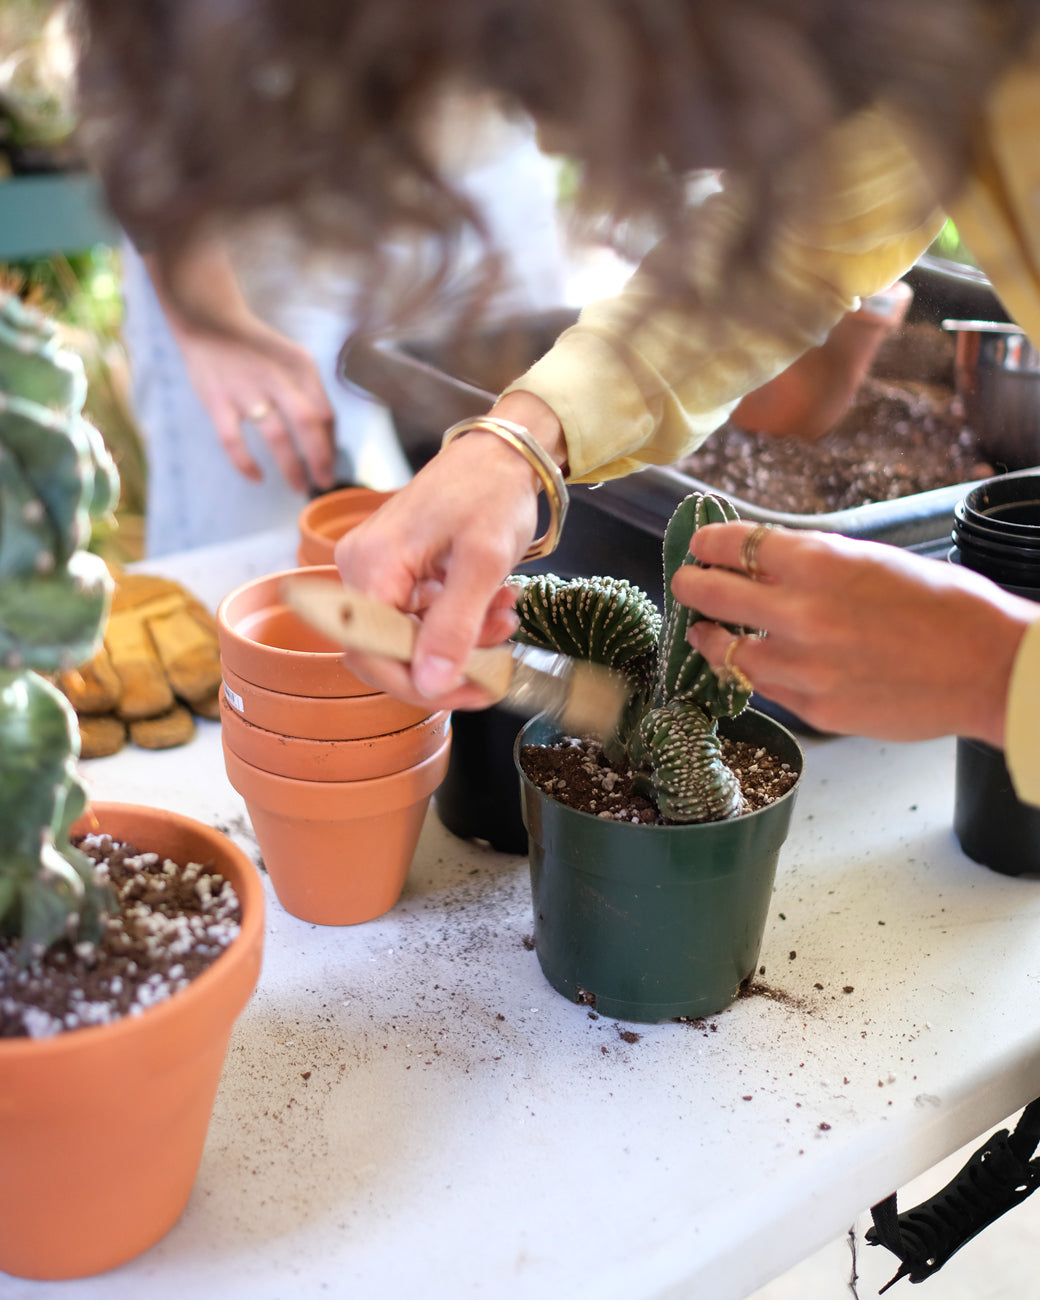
[274,580]
[250,891]
[345,759]
[271,787]
[270,704]
[330,506]
[311,743]
[316,672]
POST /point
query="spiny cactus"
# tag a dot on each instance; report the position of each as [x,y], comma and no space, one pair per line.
[670,731]
[56,477]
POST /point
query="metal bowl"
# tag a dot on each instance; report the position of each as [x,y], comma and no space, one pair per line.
[998,378]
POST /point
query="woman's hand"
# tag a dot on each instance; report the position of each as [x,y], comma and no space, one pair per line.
[263,378]
[243,371]
[860,638]
[443,546]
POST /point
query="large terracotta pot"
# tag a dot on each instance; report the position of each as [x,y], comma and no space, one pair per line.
[344,759]
[316,717]
[102,1129]
[338,852]
[264,642]
[323,521]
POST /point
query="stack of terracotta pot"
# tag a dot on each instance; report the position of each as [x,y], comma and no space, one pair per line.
[336,778]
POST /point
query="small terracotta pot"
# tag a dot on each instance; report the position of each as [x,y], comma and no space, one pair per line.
[264,642]
[343,759]
[324,520]
[102,1129]
[338,852]
[316,717]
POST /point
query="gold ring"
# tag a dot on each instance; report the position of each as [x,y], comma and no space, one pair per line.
[258,410]
[729,672]
[749,550]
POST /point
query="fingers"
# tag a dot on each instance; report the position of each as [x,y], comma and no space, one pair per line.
[470,610]
[308,416]
[273,386]
[228,424]
[442,548]
[271,424]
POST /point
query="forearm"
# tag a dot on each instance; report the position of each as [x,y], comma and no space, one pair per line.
[201,294]
[640,381]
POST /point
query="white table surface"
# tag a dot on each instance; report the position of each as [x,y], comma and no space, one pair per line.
[408,1109]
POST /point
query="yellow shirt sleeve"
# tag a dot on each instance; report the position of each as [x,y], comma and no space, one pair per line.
[1022,728]
[637,381]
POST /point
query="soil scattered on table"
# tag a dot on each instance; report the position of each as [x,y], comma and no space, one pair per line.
[578,774]
[171,923]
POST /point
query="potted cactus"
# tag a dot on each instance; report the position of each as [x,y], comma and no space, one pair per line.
[108,1082]
[660,913]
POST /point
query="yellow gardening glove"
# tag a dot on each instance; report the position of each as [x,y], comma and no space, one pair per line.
[160,664]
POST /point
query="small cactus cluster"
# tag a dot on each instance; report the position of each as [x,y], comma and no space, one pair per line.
[669,734]
[56,478]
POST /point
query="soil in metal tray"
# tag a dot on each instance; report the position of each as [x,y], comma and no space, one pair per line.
[904,434]
[578,774]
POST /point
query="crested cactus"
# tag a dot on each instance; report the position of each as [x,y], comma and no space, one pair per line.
[670,731]
[56,478]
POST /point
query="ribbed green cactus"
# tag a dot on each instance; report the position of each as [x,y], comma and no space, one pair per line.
[670,732]
[56,477]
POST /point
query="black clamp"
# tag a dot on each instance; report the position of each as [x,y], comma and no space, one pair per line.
[997,1178]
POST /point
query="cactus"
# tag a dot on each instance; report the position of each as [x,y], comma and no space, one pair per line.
[56,479]
[669,734]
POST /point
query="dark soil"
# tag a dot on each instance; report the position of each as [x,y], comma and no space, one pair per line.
[172,923]
[578,774]
[901,436]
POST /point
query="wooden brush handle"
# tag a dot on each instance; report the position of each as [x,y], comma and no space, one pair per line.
[360,622]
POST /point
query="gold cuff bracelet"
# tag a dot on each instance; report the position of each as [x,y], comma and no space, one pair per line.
[540,461]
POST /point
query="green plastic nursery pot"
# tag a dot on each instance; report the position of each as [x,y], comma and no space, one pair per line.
[648,923]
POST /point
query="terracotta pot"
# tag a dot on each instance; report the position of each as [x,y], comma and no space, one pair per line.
[324,520]
[338,852]
[102,1129]
[315,717]
[342,759]
[264,642]
[808,399]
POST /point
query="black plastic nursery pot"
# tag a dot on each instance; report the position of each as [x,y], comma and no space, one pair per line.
[478,798]
[997,533]
[649,923]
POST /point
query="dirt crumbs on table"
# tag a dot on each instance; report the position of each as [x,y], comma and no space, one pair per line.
[578,773]
[171,923]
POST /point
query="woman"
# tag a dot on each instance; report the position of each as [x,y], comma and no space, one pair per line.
[844,130]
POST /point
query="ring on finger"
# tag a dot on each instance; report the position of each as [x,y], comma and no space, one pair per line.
[749,550]
[730,672]
[258,410]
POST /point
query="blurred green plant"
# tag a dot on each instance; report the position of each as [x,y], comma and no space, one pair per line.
[36,79]
[949,245]
[81,292]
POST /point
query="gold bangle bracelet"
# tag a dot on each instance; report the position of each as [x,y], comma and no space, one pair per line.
[540,461]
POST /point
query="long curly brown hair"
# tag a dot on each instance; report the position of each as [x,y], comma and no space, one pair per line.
[197,111]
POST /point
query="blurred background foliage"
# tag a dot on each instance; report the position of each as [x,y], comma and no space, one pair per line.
[79,288]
